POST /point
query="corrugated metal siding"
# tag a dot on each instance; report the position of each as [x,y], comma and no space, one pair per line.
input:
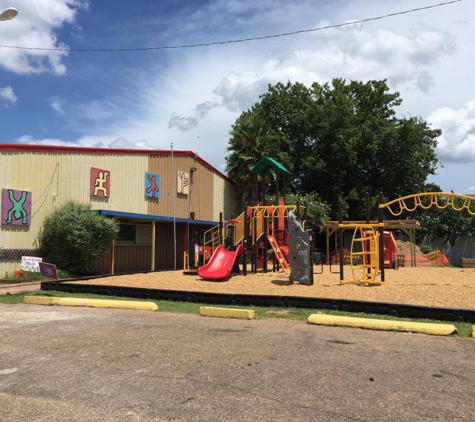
[164,257]
[218,197]
[223,199]
[6,173]
[8,267]
[137,258]
[127,259]
[198,201]
[54,178]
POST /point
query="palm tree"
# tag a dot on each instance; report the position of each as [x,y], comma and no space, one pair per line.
[251,139]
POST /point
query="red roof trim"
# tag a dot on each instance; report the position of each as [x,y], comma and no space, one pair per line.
[107,151]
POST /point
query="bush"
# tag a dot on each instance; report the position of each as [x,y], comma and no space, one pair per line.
[74,235]
[426,249]
[318,257]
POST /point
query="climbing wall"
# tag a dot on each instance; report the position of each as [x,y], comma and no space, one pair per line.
[299,252]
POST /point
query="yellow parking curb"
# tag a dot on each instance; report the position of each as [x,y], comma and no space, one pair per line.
[39,300]
[380,324]
[94,303]
[473,330]
[227,313]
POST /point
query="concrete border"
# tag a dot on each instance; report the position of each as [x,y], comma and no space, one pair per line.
[93,303]
[380,324]
[39,300]
[227,313]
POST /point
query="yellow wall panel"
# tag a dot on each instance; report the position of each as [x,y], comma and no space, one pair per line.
[55,178]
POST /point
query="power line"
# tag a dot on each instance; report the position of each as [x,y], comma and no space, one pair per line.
[284,34]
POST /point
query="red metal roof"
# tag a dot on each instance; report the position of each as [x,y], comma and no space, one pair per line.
[106,151]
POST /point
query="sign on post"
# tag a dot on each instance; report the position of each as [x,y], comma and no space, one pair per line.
[48,270]
[30,263]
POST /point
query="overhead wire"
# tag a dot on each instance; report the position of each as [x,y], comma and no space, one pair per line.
[240,40]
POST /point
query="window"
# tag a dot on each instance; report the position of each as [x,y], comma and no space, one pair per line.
[126,234]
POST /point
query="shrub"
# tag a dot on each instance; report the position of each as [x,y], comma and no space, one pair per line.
[426,249]
[74,235]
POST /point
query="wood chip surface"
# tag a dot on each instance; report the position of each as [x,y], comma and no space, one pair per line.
[427,286]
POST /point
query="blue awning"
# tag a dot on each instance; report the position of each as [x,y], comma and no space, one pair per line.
[159,218]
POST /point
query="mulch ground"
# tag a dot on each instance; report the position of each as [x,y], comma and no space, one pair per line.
[427,286]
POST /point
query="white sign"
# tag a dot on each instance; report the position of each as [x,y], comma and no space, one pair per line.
[183,183]
[30,263]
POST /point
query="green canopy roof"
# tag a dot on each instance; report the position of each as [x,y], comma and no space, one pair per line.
[266,164]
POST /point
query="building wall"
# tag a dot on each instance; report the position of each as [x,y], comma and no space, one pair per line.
[200,196]
[224,199]
[56,177]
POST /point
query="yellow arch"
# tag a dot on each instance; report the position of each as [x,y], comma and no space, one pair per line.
[440,200]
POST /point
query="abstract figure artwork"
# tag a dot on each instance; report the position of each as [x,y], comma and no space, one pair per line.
[100,183]
[152,185]
[16,207]
[183,183]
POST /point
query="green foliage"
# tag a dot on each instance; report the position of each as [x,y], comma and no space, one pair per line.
[317,210]
[63,274]
[27,277]
[340,140]
[318,257]
[74,235]
[249,135]
[426,248]
[446,224]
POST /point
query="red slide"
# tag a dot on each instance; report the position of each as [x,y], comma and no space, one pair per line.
[221,264]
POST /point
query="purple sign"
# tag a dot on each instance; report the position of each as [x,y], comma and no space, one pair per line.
[16,207]
[48,270]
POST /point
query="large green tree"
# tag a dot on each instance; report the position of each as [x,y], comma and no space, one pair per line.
[339,140]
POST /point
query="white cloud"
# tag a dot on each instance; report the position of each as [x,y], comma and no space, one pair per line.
[57,105]
[185,124]
[191,97]
[471,189]
[182,123]
[83,117]
[354,52]
[7,95]
[89,141]
[35,27]
[457,142]
[126,144]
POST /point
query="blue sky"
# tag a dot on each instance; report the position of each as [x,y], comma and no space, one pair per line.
[192,96]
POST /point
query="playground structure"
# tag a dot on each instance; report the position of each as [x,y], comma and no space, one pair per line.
[256,231]
[252,234]
[375,254]
[263,227]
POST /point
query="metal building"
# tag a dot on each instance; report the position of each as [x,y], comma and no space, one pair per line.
[169,196]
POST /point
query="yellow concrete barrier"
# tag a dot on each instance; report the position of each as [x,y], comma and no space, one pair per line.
[227,313]
[94,303]
[473,330]
[381,324]
[39,300]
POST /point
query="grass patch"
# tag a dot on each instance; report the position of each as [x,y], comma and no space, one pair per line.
[294,314]
[29,276]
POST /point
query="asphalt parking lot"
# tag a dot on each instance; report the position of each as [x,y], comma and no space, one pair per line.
[83,364]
